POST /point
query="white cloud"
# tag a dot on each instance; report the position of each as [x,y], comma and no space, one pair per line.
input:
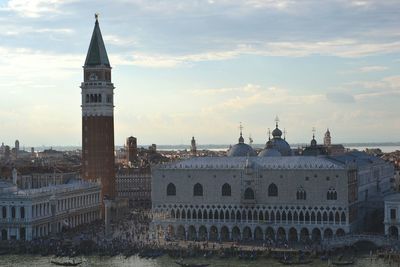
[119,40]
[373,68]
[35,8]
[36,67]
[233,99]
[346,48]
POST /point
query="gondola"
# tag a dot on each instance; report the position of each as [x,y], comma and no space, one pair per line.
[59,263]
[290,262]
[191,265]
[343,263]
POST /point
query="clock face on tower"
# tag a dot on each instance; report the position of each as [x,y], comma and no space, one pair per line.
[93,77]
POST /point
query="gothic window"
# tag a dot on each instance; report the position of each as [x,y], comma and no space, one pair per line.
[4,211]
[331,194]
[99,98]
[392,214]
[198,190]
[171,190]
[91,98]
[109,98]
[301,194]
[226,190]
[13,212]
[22,212]
[272,190]
[87,98]
[249,193]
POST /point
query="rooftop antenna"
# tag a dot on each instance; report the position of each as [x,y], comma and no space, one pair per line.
[313,130]
[269,134]
[96,16]
[284,134]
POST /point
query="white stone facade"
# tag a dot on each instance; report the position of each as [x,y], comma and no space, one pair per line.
[246,198]
[135,185]
[97,97]
[279,198]
[33,213]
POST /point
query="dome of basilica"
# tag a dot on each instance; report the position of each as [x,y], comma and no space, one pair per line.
[276,146]
[241,149]
[269,152]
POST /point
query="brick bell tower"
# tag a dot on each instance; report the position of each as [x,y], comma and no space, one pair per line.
[98,116]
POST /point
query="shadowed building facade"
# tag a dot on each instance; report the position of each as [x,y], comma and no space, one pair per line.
[98,116]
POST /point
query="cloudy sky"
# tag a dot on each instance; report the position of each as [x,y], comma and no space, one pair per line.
[198,67]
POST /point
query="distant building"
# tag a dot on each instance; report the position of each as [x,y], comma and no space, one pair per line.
[327,138]
[193,148]
[392,215]
[16,148]
[314,149]
[32,213]
[7,153]
[135,185]
[132,151]
[38,180]
[51,154]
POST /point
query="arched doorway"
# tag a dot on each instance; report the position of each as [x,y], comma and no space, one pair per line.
[202,233]
[393,232]
[258,234]
[4,234]
[281,234]
[170,231]
[292,235]
[316,235]
[235,233]
[181,233]
[192,233]
[247,236]
[328,233]
[225,233]
[304,235]
[270,233]
[213,233]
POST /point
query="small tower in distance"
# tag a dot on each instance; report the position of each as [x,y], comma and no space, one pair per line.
[193,147]
[327,138]
[16,148]
[131,144]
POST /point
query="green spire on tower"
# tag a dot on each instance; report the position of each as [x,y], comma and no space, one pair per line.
[97,54]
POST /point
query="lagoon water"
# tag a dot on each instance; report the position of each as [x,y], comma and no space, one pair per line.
[165,261]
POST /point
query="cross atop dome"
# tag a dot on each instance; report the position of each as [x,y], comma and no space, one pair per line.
[276,121]
[241,139]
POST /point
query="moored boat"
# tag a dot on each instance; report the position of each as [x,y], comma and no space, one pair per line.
[343,263]
[183,264]
[65,263]
[290,262]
